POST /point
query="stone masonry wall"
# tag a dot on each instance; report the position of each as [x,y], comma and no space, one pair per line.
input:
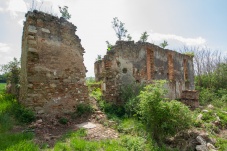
[52,70]
[129,62]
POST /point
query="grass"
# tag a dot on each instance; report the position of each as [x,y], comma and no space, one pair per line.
[76,141]
[133,135]
[12,141]
[2,87]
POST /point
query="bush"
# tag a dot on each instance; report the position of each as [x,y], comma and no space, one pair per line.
[84,109]
[162,118]
[22,114]
[112,109]
[97,94]
[63,120]
[129,95]
[206,96]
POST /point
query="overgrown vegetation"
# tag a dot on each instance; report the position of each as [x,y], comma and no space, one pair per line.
[11,113]
[144,119]
[64,12]
[119,28]
[162,118]
[144,36]
[164,44]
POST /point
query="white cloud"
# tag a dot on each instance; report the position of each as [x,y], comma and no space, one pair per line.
[1,9]
[187,41]
[4,48]
[15,6]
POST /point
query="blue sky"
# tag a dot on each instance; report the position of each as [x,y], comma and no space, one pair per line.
[180,22]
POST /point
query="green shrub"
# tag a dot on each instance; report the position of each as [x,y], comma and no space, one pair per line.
[22,114]
[97,94]
[206,96]
[63,120]
[162,118]
[84,109]
[112,109]
[129,95]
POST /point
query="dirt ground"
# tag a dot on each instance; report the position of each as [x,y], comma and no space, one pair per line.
[49,130]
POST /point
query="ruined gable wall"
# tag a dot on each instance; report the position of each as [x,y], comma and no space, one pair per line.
[143,62]
[52,68]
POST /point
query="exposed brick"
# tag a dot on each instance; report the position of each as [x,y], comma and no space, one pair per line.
[52,68]
[128,62]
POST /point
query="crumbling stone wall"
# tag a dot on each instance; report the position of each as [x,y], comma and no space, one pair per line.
[129,62]
[52,76]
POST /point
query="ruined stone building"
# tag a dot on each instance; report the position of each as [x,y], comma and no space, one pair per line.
[52,76]
[128,62]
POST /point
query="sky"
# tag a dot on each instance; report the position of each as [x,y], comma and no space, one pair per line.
[200,23]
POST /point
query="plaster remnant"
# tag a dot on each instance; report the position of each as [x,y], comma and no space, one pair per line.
[128,62]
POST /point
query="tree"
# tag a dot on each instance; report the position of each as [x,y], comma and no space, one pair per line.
[129,37]
[144,36]
[12,71]
[206,62]
[164,44]
[64,12]
[119,28]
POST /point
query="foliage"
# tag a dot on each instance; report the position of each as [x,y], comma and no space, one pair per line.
[23,114]
[2,88]
[112,109]
[83,108]
[97,94]
[221,143]
[3,78]
[90,80]
[132,126]
[134,143]
[12,70]
[206,96]
[99,57]
[144,36]
[64,12]
[161,117]
[109,46]
[129,37]
[190,54]
[6,122]
[164,44]
[129,95]
[63,120]
[119,28]
[18,141]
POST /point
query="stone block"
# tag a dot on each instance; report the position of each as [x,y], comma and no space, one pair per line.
[45,30]
[32,29]
[32,42]
[32,50]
